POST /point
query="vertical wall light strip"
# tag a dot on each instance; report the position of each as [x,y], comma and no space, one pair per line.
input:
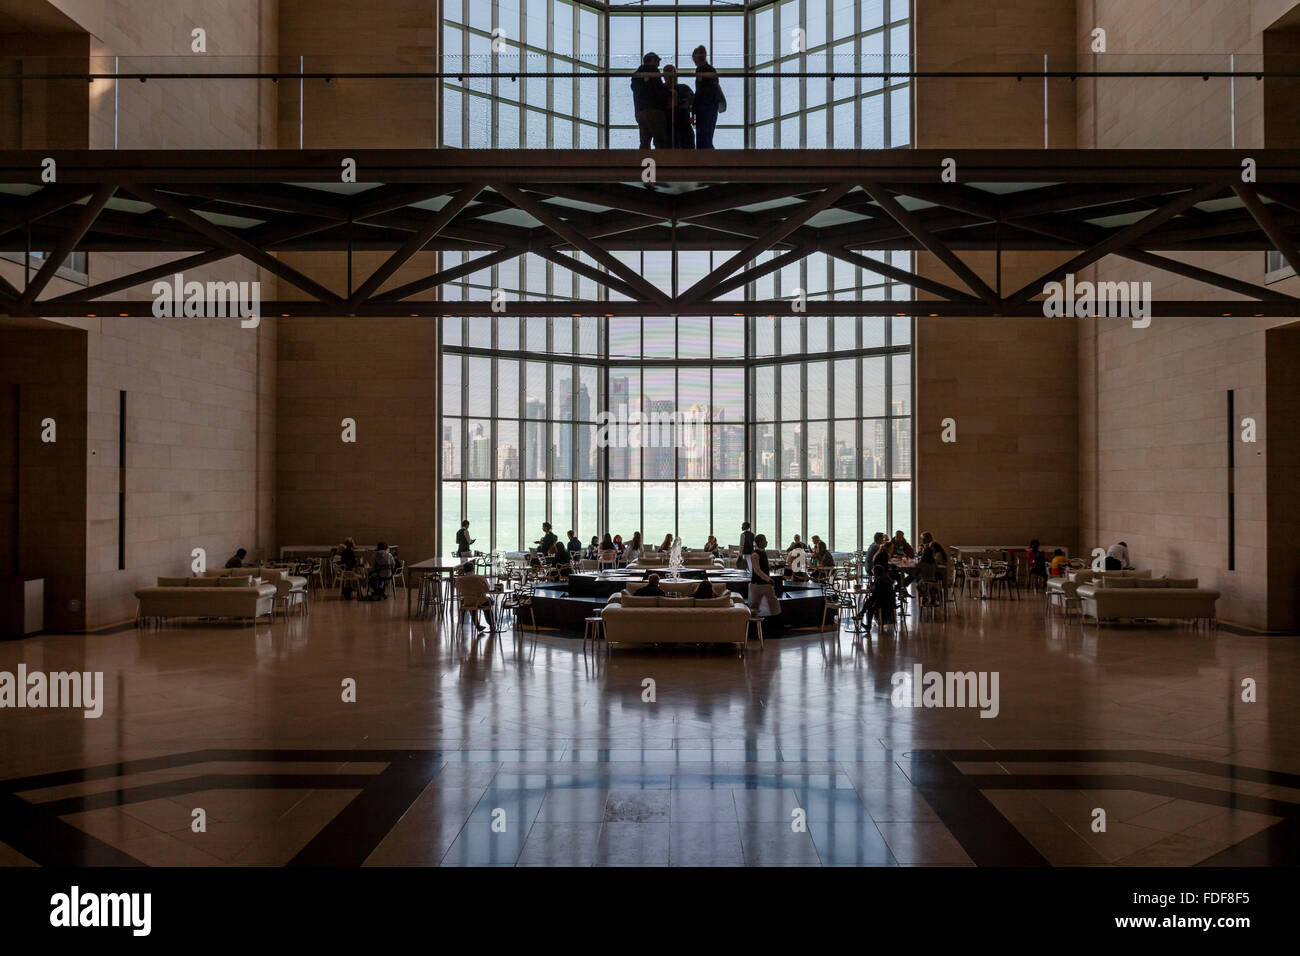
[121,481]
[115,102]
[302,80]
[1232,485]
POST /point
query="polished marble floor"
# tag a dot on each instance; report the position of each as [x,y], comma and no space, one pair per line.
[473,749]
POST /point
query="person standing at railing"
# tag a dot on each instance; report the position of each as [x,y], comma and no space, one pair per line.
[650,101]
[709,100]
[680,98]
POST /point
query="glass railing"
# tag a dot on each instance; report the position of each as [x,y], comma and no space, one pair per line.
[512,100]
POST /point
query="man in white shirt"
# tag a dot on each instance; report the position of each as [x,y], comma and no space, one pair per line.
[1117,557]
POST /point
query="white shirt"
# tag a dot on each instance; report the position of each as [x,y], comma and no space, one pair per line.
[1119,552]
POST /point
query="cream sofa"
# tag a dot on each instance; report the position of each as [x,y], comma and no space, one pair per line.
[1112,598]
[690,559]
[1064,591]
[631,619]
[227,596]
[290,589]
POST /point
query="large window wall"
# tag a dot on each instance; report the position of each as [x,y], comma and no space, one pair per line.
[801,424]
[816,112]
[782,39]
[814,437]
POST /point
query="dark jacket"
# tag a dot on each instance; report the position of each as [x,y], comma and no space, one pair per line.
[651,590]
[648,90]
[681,132]
[746,542]
[707,90]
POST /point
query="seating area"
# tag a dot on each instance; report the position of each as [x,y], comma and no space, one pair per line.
[243,593]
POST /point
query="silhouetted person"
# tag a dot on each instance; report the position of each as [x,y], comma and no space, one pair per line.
[708,98]
[680,100]
[236,560]
[650,101]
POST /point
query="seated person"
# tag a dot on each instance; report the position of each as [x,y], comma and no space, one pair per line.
[560,557]
[880,600]
[927,573]
[574,545]
[901,548]
[822,560]
[667,544]
[796,545]
[711,545]
[1037,561]
[348,561]
[652,588]
[1059,563]
[940,552]
[593,549]
[705,590]
[381,572]
[474,592]
[1117,557]
[236,560]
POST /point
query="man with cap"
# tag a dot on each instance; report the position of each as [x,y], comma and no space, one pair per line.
[650,101]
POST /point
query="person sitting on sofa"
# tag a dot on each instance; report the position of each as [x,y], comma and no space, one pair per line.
[667,544]
[711,545]
[705,590]
[237,559]
[652,588]
[1117,557]
[381,572]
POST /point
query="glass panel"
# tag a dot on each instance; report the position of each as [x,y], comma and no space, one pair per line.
[902,447]
[728,511]
[624,508]
[845,535]
[791,513]
[450,515]
[765,451]
[451,384]
[765,511]
[507,529]
[507,388]
[875,500]
[478,509]
[451,464]
[819,449]
[846,449]
[588,511]
[903,508]
[478,434]
[819,510]
[534,512]
[562,508]
[875,445]
[693,506]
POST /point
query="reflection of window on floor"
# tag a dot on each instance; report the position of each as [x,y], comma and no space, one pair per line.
[74,268]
